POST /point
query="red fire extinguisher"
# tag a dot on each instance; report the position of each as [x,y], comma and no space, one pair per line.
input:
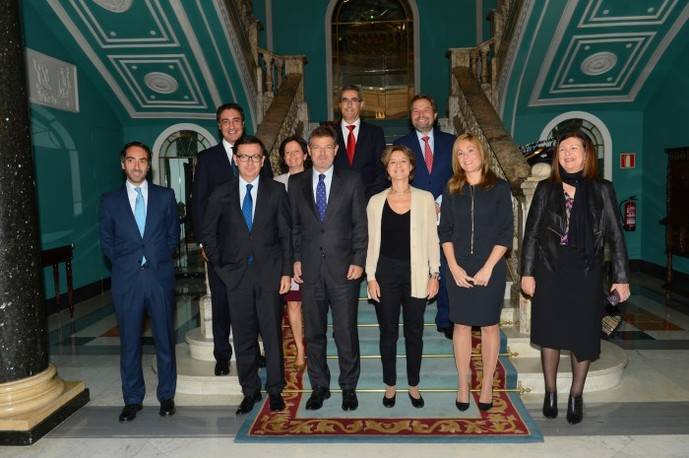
[629,214]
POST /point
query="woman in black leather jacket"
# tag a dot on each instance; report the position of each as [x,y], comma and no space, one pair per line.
[572,215]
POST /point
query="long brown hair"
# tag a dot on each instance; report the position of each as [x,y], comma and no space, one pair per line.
[590,158]
[459,178]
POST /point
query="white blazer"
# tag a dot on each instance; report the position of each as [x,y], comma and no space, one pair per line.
[423,238]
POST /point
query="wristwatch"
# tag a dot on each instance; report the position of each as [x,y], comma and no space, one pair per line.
[434,276]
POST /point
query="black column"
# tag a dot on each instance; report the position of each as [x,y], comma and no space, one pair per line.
[23,333]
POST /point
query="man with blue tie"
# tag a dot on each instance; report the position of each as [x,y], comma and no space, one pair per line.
[330,238]
[246,235]
[139,231]
[433,150]
[214,167]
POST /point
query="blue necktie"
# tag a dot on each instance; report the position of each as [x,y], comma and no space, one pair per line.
[247,207]
[140,215]
[321,203]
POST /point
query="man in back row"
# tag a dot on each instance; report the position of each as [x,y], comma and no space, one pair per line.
[433,150]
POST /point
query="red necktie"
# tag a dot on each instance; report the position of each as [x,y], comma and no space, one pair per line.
[427,154]
[351,144]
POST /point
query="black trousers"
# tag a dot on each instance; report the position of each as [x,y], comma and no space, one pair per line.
[222,350]
[257,311]
[340,295]
[393,277]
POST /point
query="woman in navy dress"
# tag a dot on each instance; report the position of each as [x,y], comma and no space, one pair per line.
[475,232]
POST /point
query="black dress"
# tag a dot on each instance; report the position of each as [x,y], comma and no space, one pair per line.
[567,306]
[476,220]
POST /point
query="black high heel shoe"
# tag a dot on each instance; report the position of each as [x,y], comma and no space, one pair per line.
[550,405]
[389,402]
[485,405]
[462,405]
[575,409]
[416,402]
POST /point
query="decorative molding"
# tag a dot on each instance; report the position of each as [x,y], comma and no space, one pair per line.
[52,82]
[114,6]
[598,63]
[596,15]
[158,34]
[160,82]
[598,123]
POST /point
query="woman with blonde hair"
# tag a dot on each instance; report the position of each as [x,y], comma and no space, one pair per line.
[475,233]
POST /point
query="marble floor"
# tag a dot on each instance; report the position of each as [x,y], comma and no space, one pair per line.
[647,415]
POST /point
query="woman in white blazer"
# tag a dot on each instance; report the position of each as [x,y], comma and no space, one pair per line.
[402,266]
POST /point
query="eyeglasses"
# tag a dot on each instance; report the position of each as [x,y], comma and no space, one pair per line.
[328,148]
[243,158]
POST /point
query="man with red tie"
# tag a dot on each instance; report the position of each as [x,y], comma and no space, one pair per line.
[360,143]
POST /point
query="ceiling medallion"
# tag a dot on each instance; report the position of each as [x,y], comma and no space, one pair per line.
[598,63]
[114,6]
[162,83]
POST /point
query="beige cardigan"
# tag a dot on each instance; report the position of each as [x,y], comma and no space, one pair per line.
[423,238]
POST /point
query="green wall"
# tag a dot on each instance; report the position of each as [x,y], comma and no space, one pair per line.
[665,125]
[298,28]
[76,160]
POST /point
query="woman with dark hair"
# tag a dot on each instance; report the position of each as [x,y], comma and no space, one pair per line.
[572,215]
[402,267]
[475,233]
[293,157]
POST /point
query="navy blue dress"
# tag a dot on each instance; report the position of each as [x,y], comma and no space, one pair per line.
[476,220]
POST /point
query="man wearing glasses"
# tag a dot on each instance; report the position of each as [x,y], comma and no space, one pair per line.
[360,143]
[246,235]
[214,167]
[330,237]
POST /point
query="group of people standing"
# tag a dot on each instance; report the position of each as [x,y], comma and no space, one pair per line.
[425,217]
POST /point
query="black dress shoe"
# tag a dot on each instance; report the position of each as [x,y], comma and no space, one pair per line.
[485,406]
[416,402]
[222,367]
[276,402]
[575,409]
[550,405]
[129,412]
[248,403]
[349,400]
[462,405]
[389,402]
[167,408]
[318,395]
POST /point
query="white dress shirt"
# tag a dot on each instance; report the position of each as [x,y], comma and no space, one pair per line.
[328,182]
[228,151]
[423,143]
[345,131]
[131,194]
[254,193]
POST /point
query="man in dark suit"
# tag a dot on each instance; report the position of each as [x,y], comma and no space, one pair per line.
[433,150]
[139,231]
[360,143]
[214,167]
[330,238]
[246,235]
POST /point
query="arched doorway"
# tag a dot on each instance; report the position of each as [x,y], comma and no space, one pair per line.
[593,127]
[373,44]
[173,163]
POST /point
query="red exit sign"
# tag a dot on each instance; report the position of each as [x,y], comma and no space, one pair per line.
[627,160]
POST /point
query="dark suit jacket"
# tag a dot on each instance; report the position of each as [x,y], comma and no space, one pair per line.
[342,238]
[212,169]
[124,246]
[228,242]
[369,147]
[442,161]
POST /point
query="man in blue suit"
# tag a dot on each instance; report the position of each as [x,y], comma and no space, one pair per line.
[139,231]
[215,167]
[433,150]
